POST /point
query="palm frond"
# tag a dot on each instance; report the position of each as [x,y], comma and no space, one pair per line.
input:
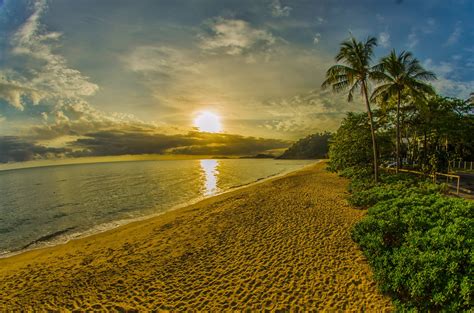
[425,75]
[340,86]
[355,69]
[379,75]
[383,92]
[350,94]
[403,72]
[336,74]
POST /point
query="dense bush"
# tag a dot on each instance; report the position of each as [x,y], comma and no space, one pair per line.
[420,245]
[364,193]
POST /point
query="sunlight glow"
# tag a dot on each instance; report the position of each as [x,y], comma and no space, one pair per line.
[208,122]
[210,176]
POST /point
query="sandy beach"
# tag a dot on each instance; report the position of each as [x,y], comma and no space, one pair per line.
[283,244]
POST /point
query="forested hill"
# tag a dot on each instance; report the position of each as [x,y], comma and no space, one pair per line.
[311,147]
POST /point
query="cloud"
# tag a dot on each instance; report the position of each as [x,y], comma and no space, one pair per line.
[446,84]
[384,39]
[453,87]
[16,149]
[316,38]
[13,94]
[75,118]
[455,35]
[380,18]
[46,74]
[321,20]
[228,65]
[36,74]
[235,37]
[278,10]
[442,68]
[119,142]
[229,144]
[308,112]
[137,141]
[427,27]
[412,39]
[231,85]
[161,60]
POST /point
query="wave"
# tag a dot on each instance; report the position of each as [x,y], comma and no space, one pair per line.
[46,238]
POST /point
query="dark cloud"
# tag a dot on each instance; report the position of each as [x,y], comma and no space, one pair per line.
[227,144]
[194,143]
[135,141]
[16,149]
[126,143]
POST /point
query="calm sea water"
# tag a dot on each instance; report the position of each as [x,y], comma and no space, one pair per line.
[46,205]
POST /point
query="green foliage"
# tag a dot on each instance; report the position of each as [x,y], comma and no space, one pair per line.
[311,147]
[351,145]
[419,244]
[434,131]
[365,194]
[437,130]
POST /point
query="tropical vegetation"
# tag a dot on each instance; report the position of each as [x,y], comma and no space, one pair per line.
[429,130]
[401,75]
[418,241]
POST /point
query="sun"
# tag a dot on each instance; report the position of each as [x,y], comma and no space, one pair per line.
[208,122]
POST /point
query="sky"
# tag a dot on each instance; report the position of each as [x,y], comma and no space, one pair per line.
[113,77]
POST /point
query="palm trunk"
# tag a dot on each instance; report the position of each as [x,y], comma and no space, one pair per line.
[372,132]
[398,134]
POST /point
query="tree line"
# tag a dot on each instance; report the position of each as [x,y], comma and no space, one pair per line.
[405,118]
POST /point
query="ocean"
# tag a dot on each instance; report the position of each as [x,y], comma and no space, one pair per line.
[45,206]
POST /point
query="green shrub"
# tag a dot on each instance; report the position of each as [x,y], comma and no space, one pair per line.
[420,246]
[365,193]
[368,197]
[356,173]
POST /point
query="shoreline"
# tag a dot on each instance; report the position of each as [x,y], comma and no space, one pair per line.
[104,227]
[280,244]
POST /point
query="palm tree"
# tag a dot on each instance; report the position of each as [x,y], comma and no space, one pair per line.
[401,74]
[353,74]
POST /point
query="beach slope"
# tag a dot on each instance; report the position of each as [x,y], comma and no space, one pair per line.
[280,244]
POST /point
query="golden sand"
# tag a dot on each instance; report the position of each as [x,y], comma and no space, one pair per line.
[282,244]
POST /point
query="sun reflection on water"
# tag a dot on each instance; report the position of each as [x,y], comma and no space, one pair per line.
[210,176]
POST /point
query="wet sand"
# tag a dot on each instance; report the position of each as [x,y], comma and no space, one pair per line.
[283,244]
